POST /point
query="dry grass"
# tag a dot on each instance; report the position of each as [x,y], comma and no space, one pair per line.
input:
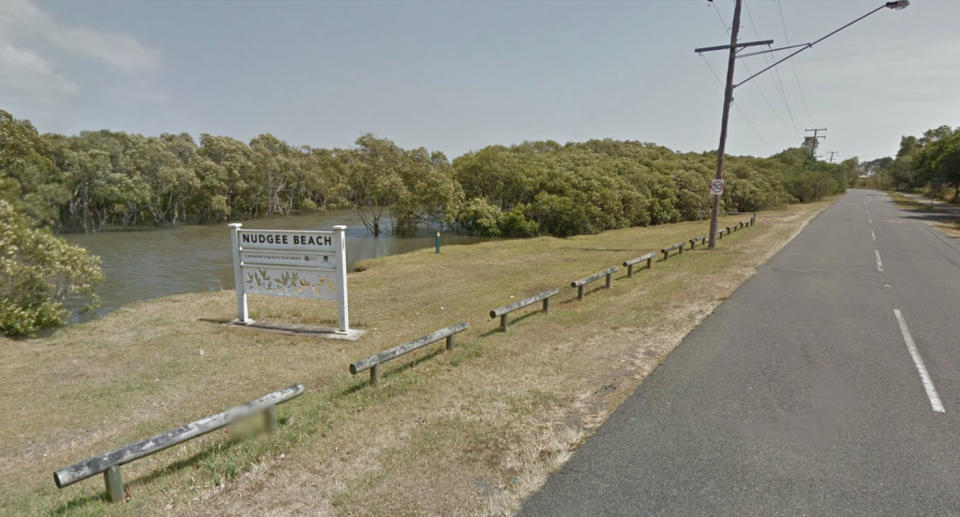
[472,431]
[949,226]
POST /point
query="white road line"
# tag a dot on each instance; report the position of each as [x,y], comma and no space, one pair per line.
[879,262]
[873,235]
[869,220]
[918,362]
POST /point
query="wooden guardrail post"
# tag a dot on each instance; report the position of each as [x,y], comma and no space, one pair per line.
[270,418]
[109,463]
[634,261]
[596,276]
[666,251]
[504,311]
[114,483]
[374,362]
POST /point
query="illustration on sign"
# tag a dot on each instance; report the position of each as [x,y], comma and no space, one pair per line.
[281,282]
[292,263]
[716,187]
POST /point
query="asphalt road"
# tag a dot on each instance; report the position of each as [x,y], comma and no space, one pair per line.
[800,394]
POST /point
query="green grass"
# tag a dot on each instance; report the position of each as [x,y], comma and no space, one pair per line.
[471,430]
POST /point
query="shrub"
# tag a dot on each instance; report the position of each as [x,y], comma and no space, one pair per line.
[39,272]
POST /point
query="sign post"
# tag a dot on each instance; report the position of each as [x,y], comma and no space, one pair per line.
[291,263]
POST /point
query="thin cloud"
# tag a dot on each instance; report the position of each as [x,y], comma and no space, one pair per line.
[24,73]
[23,19]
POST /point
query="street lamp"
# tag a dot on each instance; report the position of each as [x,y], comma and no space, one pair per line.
[733,48]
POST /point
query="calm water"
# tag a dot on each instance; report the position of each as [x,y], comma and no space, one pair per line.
[149,263]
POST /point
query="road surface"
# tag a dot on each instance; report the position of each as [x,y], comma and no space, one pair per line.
[828,383]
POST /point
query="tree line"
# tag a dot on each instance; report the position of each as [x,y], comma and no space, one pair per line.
[99,180]
[108,179]
[930,161]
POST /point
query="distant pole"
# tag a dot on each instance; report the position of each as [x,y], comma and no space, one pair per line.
[438,242]
[727,99]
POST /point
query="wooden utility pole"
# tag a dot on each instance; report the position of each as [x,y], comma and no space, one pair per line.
[727,99]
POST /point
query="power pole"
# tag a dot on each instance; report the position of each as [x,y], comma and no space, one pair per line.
[727,99]
[832,153]
[811,142]
[733,48]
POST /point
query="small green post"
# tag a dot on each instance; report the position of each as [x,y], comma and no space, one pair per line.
[114,482]
[270,418]
[438,242]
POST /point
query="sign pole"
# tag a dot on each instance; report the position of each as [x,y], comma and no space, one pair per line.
[243,316]
[343,314]
[727,99]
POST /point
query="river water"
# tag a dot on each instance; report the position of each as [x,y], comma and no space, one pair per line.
[152,262]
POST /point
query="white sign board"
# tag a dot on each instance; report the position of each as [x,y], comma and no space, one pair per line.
[716,187]
[293,263]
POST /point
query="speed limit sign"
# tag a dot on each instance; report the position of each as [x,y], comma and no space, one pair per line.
[716,187]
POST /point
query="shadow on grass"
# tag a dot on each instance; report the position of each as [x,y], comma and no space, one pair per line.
[618,250]
[512,321]
[218,321]
[78,503]
[387,374]
[586,293]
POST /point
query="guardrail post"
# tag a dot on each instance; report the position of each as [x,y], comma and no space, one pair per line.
[451,339]
[270,418]
[375,374]
[609,276]
[650,262]
[630,271]
[114,482]
[666,254]
[546,304]
[503,322]
[680,249]
[580,292]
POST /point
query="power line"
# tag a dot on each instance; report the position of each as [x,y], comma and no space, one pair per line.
[750,125]
[793,65]
[720,17]
[712,71]
[778,86]
[763,96]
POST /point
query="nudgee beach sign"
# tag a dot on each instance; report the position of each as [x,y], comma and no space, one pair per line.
[293,263]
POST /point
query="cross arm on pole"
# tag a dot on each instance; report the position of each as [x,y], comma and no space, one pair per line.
[738,46]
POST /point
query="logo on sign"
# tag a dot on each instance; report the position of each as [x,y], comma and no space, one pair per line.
[716,187]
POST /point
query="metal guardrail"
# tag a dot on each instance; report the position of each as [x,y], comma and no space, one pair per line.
[109,463]
[504,311]
[373,362]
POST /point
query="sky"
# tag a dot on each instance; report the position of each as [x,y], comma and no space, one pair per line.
[456,76]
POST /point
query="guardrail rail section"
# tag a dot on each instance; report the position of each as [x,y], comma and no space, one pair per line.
[373,362]
[666,251]
[504,311]
[109,463]
[648,258]
[596,276]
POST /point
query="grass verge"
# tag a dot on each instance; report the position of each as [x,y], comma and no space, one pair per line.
[471,431]
[947,222]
